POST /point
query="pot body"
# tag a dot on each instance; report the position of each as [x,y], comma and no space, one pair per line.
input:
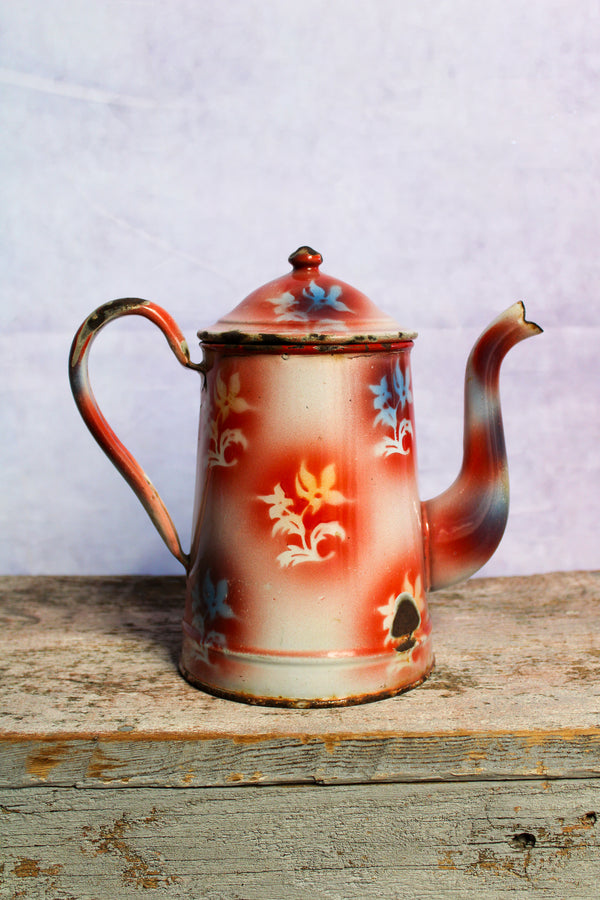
[306,581]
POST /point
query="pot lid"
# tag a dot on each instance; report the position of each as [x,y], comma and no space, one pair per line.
[305,306]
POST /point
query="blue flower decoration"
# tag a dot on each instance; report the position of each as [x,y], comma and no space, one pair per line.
[215,597]
[387,413]
[402,385]
[320,299]
[390,403]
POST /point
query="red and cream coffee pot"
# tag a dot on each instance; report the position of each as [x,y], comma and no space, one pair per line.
[312,554]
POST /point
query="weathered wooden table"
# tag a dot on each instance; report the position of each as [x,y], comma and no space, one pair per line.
[119,778]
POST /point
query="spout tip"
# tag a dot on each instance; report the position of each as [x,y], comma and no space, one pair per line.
[532,327]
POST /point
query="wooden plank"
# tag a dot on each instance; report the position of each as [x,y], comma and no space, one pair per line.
[163,761]
[468,841]
[90,694]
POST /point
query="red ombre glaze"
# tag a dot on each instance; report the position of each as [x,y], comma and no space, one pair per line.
[311,552]
[464,525]
[322,498]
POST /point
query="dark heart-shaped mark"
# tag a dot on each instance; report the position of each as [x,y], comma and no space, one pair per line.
[406,621]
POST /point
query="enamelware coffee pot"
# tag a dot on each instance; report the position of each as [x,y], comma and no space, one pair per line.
[312,554]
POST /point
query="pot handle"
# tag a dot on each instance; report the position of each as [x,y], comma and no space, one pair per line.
[118,454]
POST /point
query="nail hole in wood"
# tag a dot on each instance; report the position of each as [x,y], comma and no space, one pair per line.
[523,841]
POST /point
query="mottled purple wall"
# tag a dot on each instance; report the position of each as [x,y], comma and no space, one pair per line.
[443,156]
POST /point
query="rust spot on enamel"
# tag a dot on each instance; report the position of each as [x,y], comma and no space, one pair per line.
[406,621]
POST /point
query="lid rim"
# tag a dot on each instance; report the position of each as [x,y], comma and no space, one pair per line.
[267,339]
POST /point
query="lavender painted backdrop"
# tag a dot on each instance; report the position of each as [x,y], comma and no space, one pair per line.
[444,156]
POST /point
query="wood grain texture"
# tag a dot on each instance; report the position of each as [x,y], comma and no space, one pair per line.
[91,696]
[398,842]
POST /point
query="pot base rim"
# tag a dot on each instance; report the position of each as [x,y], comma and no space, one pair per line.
[299,702]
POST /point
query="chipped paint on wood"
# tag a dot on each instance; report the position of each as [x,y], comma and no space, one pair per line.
[45,758]
[354,841]
[31,873]
[242,778]
[135,869]
[447,861]
[104,767]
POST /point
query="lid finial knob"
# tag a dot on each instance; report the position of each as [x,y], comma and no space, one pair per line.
[305,258]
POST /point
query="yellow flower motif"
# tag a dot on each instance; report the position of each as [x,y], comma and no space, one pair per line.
[304,542]
[226,400]
[315,492]
[226,396]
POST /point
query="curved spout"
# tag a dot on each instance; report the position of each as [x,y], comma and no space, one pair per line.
[463,526]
